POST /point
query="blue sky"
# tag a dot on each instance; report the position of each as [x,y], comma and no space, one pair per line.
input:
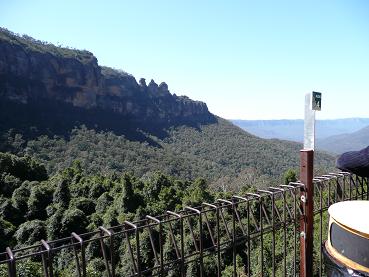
[245,59]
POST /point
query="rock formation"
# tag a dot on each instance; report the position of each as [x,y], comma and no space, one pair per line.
[31,70]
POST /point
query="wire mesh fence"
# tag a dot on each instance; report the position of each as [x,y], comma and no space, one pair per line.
[255,234]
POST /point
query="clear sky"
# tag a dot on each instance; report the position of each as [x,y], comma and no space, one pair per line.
[245,59]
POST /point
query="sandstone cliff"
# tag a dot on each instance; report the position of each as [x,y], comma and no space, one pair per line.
[33,71]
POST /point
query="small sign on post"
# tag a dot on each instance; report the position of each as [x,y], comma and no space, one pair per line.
[316,104]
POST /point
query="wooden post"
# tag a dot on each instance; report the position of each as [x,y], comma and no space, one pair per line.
[307,219]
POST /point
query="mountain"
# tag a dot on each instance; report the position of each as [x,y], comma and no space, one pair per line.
[32,71]
[58,105]
[294,129]
[345,142]
[281,129]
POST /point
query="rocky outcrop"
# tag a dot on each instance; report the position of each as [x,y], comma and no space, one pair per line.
[31,70]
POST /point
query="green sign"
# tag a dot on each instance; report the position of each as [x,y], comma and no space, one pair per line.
[316,101]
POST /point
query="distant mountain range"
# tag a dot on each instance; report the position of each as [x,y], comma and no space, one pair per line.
[346,142]
[333,135]
[58,105]
[294,129]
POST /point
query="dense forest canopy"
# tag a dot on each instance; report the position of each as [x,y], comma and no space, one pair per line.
[221,153]
[35,206]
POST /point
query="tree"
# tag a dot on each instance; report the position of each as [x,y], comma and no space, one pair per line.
[228,271]
[8,183]
[127,201]
[197,193]
[104,202]
[39,199]
[53,227]
[20,198]
[30,232]
[153,187]
[24,168]
[8,212]
[6,234]
[96,268]
[96,190]
[289,176]
[73,220]
[62,194]
[84,204]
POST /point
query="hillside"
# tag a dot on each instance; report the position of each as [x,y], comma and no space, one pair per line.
[346,142]
[59,105]
[294,129]
[211,151]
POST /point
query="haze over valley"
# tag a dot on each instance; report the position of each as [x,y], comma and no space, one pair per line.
[334,135]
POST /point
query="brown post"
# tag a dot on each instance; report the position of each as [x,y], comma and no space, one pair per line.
[307,220]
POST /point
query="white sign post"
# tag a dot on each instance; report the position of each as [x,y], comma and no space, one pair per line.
[313,102]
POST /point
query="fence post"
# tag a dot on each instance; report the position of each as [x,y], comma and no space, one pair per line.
[307,220]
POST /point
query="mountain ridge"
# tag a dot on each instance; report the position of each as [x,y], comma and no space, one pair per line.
[346,142]
[31,70]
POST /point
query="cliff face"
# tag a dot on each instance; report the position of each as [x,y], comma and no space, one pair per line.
[26,74]
[31,70]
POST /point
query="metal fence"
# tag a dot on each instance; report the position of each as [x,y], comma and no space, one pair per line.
[253,234]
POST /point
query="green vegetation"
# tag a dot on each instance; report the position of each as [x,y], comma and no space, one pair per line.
[113,72]
[221,153]
[35,206]
[30,44]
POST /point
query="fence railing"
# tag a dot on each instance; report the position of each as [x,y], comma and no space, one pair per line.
[255,234]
